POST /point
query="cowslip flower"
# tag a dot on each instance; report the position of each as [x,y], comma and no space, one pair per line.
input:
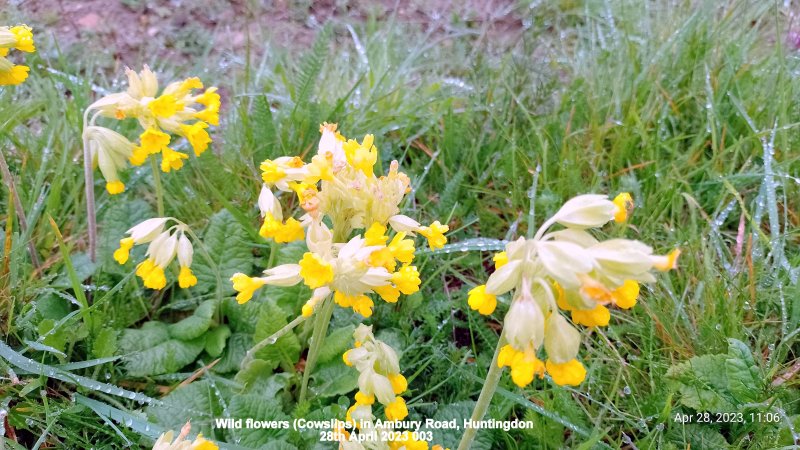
[274,227]
[571,270]
[20,38]
[339,182]
[109,151]
[176,110]
[165,244]
[379,374]
[348,271]
[166,441]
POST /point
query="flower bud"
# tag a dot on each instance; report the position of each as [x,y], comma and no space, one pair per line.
[524,323]
[561,340]
[586,211]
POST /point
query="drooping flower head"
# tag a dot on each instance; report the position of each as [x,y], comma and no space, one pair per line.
[165,245]
[175,111]
[20,38]
[570,270]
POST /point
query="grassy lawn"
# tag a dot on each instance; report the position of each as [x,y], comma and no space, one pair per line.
[692,107]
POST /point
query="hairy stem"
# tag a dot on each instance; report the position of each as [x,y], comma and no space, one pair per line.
[159,187]
[485,399]
[317,337]
[91,215]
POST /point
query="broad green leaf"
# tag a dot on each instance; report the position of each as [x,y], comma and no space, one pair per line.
[227,243]
[256,407]
[744,380]
[216,339]
[703,383]
[196,324]
[335,344]
[241,318]
[333,378]
[84,268]
[450,437]
[286,350]
[719,383]
[105,343]
[56,339]
[151,351]
[697,437]
[197,402]
[51,306]
[250,374]
[235,349]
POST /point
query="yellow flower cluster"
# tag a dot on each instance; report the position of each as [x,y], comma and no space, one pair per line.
[19,38]
[177,110]
[166,442]
[379,375]
[165,246]
[339,184]
[379,379]
[568,269]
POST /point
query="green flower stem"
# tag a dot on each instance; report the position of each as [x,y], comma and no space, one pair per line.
[159,187]
[485,399]
[317,338]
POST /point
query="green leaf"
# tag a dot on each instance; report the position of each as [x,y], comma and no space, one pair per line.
[335,344]
[235,349]
[151,351]
[286,350]
[451,437]
[703,383]
[105,343]
[56,339]
[84,268]
[196,324]
[241,318]
[697,437]
[744,380]
[227,243]
[216,339]
[196,402]
[250,406]
[252,372]
[333,378]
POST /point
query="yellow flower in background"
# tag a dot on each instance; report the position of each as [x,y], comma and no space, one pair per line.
[168,441]
[174,112]
[569,270]
[18,38]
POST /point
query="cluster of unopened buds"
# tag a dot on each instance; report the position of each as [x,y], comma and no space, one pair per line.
[165,244]
[20,38]
[177,110]
[351,197]
[568,269]
[168,441]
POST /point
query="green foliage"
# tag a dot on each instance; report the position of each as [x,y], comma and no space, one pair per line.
[719,383]
[285,350]
[150,350]
[668,101]
[226,242]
